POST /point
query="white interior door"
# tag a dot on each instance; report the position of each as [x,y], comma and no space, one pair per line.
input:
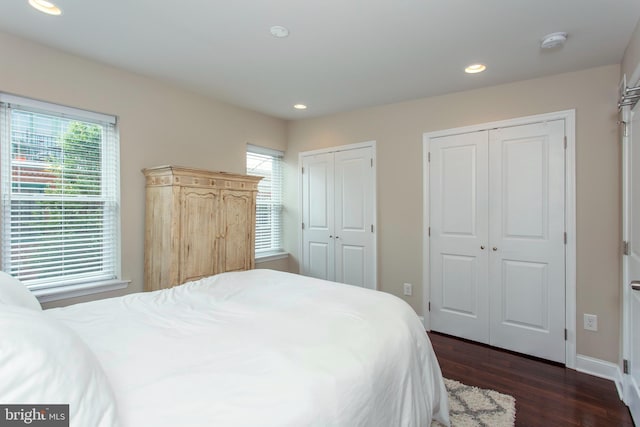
[338,215]
[318,216]
[354,234]
[632,265]
[527,225]
[459,236]
[497,248]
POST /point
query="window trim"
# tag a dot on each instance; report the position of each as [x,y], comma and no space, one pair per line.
[78,290]
[72,288]
[270,254]
[62,110]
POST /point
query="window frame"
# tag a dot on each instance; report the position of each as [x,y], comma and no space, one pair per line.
[271,253]
[65,288]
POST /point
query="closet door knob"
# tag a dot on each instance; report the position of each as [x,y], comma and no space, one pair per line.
[494,249]
[481,247]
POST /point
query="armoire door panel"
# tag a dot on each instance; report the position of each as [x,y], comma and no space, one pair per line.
[199,249]
[237,211]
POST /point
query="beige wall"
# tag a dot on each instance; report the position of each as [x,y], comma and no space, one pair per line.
[162,124]
[631,58]
[159,124]
[281,264]
[398,130]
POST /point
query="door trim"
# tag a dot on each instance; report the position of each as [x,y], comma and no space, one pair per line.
[626,320]
[370,144]
[629,392]
[570,214]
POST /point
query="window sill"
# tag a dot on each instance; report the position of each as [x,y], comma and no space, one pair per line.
[271,256]
[72,291]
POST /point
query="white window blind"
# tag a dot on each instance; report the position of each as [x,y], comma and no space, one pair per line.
[60,194]
[267,164]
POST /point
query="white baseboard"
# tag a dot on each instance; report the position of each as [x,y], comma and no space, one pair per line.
[602,369]
[596,367]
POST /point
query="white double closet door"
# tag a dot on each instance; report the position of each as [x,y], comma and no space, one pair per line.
[497,245]
[338,211]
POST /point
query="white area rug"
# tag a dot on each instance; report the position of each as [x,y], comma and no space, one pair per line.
[478,407]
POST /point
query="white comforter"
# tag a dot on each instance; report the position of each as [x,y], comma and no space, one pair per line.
[263,348]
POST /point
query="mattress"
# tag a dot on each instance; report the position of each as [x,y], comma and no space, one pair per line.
[263,348]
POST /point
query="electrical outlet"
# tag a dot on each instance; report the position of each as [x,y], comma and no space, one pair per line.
[408,289]
[590,322]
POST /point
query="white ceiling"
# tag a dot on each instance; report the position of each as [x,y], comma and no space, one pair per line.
[340,54]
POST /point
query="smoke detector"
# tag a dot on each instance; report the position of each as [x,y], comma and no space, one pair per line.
[553,40]
[278,31]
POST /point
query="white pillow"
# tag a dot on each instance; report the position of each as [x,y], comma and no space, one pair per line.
[42,361]
[13,292]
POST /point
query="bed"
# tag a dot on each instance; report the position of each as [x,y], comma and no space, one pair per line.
[253,348]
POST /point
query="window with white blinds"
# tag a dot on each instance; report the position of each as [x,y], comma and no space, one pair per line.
[267,163]
[60,194]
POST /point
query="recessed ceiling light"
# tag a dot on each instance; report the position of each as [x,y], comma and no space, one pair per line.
[475,68]
[279,31]
[45,6]
[300,107]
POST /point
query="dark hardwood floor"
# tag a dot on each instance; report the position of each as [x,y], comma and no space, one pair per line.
[546,394]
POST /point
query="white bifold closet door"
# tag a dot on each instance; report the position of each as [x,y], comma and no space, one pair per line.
[497,240]
[318,248]
[338,240]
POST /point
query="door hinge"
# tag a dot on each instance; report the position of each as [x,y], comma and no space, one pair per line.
[429,305]
[565,142]
[624,129]
[625,247]
[372,162]
[565,237]
[566,334]
[302,171]
[429,232]
[303,225]
[625,366]
[372,228]
[429,156]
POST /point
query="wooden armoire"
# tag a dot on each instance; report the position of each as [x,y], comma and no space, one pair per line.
[197,223]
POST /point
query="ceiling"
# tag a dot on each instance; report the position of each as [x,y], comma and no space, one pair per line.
[340,54]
